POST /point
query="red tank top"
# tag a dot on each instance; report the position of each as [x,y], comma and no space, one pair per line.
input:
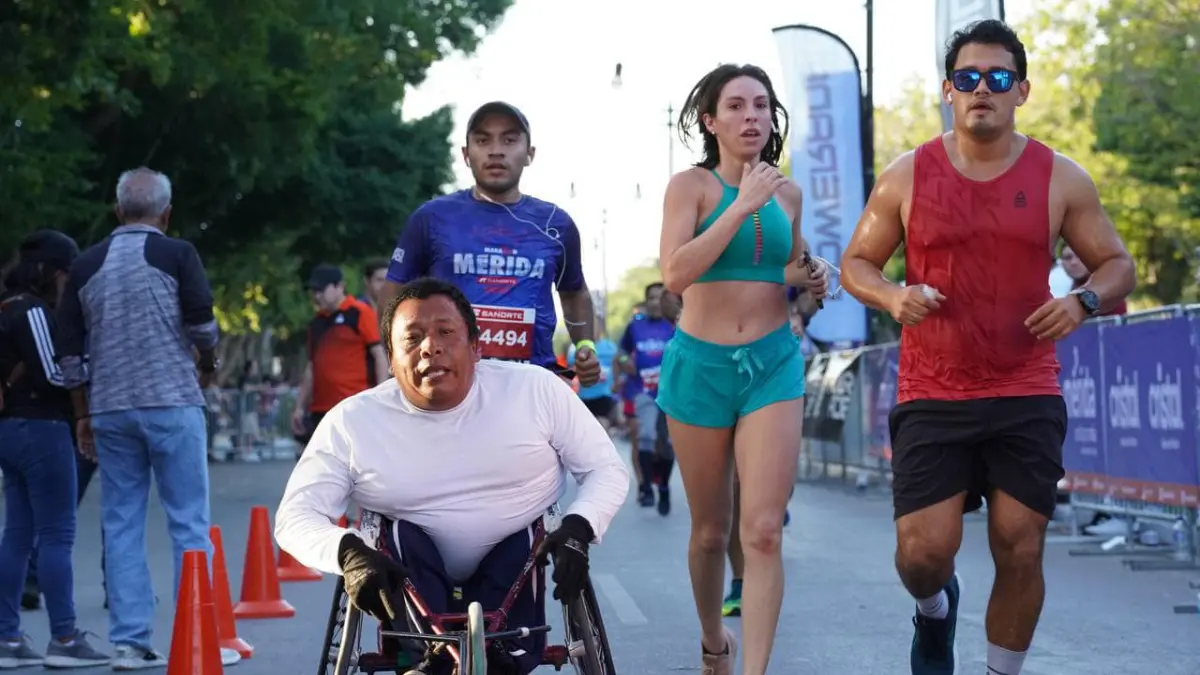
[986,247]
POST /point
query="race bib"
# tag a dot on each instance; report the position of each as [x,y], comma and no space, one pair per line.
[650,377]
[505,332]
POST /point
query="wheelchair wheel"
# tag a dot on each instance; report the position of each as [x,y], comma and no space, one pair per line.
[348,649]
[474,657]
[587,640]
[333,630]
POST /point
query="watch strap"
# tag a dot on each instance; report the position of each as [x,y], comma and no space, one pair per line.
[1088,300]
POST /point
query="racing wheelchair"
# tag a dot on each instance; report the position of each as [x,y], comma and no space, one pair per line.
[464,636]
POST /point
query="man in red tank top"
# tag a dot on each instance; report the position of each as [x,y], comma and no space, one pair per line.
[979,414]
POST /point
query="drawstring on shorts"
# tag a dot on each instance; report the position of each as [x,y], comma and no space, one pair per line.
[748,364]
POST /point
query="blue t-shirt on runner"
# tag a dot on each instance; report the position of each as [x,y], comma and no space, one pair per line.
[506,259]
[644,341]
[606,351]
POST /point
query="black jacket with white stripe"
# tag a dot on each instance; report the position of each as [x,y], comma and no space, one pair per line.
[29,374]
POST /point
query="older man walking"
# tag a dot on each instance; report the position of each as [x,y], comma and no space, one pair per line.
[141,302]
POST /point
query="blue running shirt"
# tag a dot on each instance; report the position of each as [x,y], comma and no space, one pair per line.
[507,264]
[644,341]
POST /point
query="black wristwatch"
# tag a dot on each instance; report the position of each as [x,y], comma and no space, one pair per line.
[208,363]
[1089,300]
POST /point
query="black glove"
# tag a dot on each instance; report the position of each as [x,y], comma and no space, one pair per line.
[500,661]
[371,578]
[569,547]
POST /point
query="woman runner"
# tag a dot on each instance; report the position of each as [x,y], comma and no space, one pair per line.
[733,376]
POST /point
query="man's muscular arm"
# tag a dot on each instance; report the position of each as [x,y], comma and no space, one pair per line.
[879,233]
[1089,232]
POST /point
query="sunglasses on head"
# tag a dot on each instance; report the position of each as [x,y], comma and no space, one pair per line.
[999,80]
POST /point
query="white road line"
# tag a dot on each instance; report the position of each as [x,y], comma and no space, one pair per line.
[627,610]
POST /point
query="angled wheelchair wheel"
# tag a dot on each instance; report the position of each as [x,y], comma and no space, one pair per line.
[474,657]
[587,640]
[348,650]
[333,630]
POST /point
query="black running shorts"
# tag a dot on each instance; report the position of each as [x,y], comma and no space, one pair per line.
[600,407]
[942,448]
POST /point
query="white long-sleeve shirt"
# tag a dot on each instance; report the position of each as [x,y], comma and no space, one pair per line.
[469,476]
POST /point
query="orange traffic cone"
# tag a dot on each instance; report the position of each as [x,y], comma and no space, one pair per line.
[261,598]
[223,600]
[290,569]
[195,648]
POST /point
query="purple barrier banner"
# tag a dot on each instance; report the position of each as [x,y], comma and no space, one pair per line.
[1150,438]
[1082,380]
[880,367]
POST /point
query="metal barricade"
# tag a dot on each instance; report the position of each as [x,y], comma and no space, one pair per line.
[250,424]
[840,439]
[1115,499]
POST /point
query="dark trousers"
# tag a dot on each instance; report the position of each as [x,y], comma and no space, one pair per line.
[658,463]
[84,470]
[500,568]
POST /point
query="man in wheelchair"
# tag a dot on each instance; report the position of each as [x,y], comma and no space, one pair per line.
[463,457]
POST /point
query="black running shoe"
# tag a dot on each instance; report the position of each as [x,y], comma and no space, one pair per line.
[646,496]
[933,650]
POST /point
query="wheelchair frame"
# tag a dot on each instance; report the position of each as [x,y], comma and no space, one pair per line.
[465,635]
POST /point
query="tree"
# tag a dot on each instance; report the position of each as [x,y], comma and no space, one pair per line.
[1147,70]
[229,99]
[911,120]
[1075,85]
[278,123]
[630,291]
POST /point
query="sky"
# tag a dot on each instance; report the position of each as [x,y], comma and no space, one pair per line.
[555,59]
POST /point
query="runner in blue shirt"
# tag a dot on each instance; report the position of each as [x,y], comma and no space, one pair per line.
[506,251]
[642,345]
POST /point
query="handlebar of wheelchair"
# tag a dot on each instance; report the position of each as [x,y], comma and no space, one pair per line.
[454,637]
[448,638]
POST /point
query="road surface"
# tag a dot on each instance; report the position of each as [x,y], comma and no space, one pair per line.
[844,611]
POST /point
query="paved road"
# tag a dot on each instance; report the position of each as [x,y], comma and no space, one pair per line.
[844,612]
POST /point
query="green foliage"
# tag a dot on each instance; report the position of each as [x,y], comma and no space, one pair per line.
[1147,114]
[1111,89]
[630,291]
[1077,89]
[277,121]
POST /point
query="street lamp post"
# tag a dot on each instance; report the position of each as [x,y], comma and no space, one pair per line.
[670,141]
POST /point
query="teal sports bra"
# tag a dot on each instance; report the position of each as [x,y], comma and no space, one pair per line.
[759,251]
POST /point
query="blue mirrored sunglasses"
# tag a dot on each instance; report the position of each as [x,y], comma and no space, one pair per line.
[999,80]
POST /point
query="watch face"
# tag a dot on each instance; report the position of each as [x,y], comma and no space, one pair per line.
[1091,301]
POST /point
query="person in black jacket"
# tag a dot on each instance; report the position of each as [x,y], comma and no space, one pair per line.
[37,456]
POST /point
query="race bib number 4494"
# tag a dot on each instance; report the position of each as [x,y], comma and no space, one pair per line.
[505,332]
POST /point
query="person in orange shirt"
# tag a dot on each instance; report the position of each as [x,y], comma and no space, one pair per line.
[345,355]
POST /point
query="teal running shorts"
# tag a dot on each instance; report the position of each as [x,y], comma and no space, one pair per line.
[711,385]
